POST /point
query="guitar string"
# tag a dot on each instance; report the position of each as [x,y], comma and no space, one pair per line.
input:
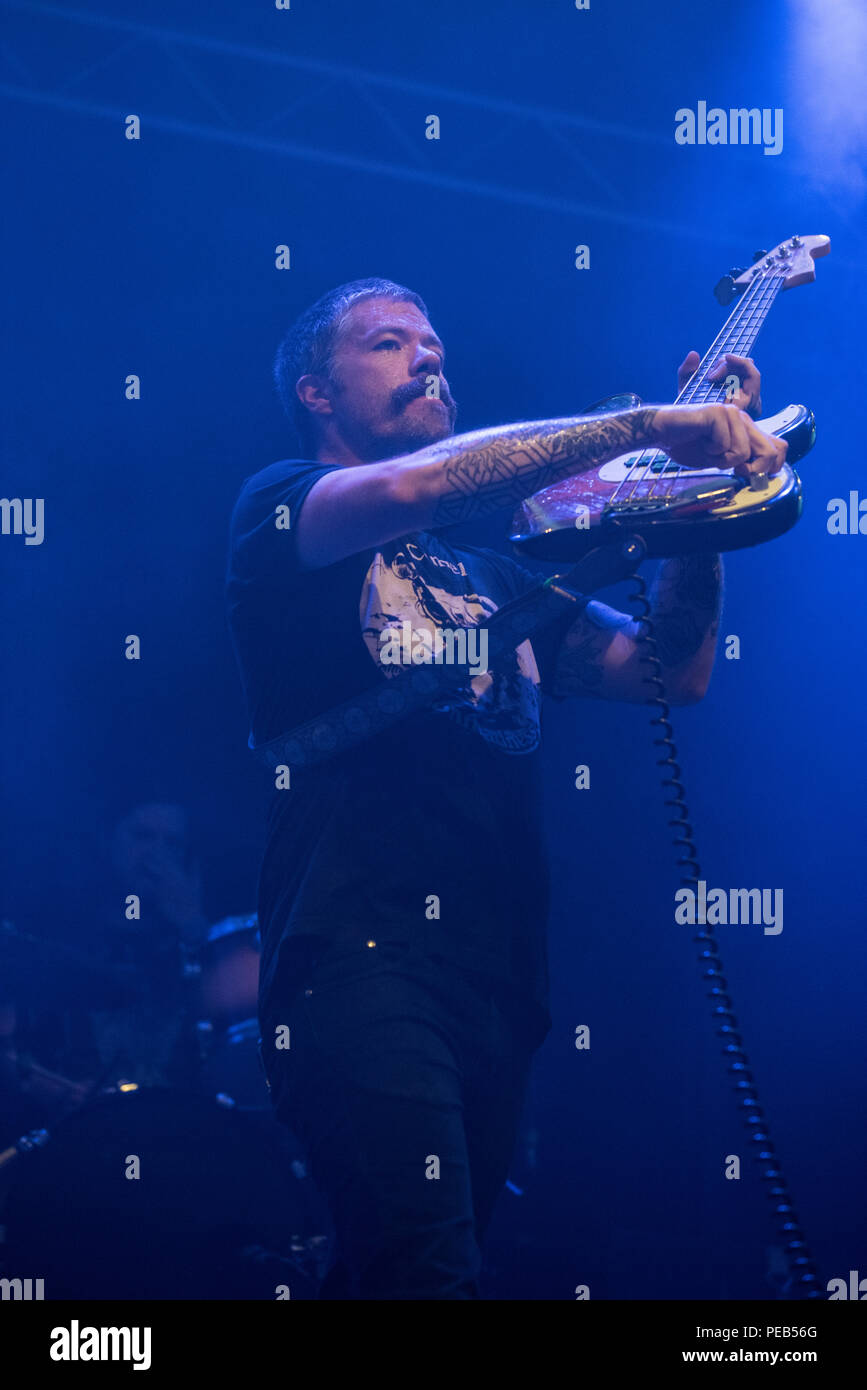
[749,316]
[736,314]
[749,333]
[690,391]
[753,313]
[703,390]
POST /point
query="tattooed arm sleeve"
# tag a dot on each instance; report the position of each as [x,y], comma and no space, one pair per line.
[474,474]
[600,654]
[467,476]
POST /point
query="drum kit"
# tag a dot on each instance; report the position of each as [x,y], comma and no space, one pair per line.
[165,1192]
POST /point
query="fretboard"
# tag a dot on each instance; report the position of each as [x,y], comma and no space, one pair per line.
[737,334]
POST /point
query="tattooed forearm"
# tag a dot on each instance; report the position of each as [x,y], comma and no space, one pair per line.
[474,474]
[581,662]
[603,652]
[686,601]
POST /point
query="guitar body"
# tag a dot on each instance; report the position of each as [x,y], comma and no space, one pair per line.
[675,511]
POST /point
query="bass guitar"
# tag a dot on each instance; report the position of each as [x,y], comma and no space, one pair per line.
[676,510]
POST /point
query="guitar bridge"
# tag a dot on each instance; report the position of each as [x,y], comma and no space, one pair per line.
[640,504]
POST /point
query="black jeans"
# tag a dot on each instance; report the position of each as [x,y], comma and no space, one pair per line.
[405,1081]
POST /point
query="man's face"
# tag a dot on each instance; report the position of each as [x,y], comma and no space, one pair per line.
[383,360]
[149,838]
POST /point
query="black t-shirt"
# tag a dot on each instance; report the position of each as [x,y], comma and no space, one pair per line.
[431,830]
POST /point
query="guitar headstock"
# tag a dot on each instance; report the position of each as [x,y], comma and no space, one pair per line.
[794,258]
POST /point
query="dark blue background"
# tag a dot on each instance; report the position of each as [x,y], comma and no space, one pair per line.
[157,258]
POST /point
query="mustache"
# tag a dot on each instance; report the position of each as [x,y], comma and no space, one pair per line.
[411,390]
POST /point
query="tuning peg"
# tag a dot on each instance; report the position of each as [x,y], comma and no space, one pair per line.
[737,272]
[759,255]
[725,289]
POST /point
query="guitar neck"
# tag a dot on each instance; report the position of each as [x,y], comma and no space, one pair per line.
[737,335]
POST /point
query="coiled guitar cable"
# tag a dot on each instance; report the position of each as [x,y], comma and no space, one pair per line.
[803,1282]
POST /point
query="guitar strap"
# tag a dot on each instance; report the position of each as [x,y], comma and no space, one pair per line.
[367,714]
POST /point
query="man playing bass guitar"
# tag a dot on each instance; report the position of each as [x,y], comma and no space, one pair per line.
[403,893]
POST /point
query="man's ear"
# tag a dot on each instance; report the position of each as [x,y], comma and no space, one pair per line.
[313,391]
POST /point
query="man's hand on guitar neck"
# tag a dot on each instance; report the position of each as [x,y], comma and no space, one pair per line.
[740,445]
[748,392]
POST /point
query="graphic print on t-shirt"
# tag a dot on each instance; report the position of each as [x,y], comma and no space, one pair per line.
[419,580]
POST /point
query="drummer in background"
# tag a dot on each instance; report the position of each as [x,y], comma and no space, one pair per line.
[152,856]
[113,1001]
[146,1039]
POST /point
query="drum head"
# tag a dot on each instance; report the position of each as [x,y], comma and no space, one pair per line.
[229,971]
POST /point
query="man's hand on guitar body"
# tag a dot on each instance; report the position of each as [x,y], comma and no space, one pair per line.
[717,436]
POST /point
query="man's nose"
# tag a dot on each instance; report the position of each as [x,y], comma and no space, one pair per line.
[426,362]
